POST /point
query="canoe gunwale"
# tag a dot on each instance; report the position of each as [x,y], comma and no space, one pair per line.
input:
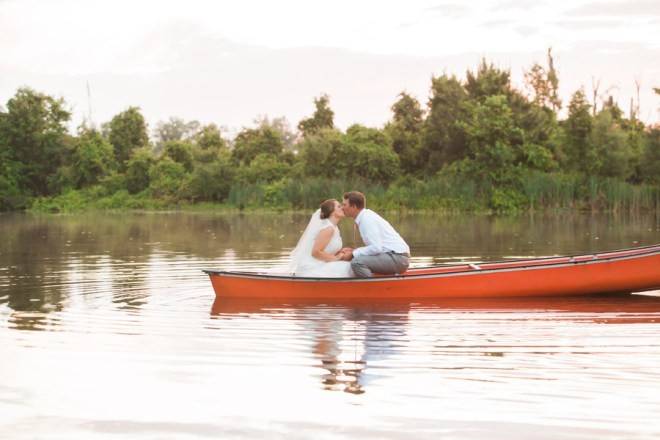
[567,261]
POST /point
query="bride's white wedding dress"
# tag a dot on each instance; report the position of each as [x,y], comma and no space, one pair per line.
[303,264]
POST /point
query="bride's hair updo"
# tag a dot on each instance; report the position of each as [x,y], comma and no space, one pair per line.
[327,208]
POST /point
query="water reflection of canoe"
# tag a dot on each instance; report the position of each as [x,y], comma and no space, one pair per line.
[616,308]
[627,270]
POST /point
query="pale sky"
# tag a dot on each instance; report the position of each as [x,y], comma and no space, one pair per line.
[228,62]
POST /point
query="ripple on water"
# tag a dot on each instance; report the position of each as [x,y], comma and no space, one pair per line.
[125,339]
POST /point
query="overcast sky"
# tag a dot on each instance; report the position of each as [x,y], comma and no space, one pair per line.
[230,61]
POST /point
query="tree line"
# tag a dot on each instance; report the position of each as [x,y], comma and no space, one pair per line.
[477,143]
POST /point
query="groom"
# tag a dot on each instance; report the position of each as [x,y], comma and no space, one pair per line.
[385,251]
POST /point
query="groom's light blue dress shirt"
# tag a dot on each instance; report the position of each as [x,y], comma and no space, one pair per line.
[378,235]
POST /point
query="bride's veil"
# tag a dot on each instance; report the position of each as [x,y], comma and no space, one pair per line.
[303,250]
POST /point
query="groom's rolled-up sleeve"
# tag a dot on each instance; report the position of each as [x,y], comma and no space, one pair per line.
[372,239]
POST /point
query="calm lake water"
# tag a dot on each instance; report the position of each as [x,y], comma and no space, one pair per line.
[109,330]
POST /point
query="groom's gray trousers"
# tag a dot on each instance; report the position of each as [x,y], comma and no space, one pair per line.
[388,263]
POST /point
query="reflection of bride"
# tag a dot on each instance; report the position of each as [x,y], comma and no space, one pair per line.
[319,250]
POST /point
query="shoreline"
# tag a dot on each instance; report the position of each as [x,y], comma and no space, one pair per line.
[220,208]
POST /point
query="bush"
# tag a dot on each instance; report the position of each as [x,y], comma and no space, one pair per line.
[112,183]
[166,178]
[650,166]
[180,152]
[251,142]
[321,154]
[70,201]
[92,159]
[137,170]
[11,197]
[210,182]
[506,200]
[264,168]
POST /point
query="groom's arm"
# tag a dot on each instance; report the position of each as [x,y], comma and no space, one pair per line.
[372,238]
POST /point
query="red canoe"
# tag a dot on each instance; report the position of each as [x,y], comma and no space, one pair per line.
[628,270]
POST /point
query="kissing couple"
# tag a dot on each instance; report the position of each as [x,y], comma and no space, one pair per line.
[319,252]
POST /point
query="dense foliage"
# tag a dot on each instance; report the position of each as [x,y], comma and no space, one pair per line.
[477,144]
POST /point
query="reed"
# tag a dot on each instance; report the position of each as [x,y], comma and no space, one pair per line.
[537,191]
[441,193]
[566,191]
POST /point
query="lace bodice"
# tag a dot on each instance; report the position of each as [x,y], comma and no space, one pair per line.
[335,243]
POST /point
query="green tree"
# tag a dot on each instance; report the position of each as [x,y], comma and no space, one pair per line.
[612,154]
[11,194]
[210,138]
[497,153]
[34,138]
[367,153]
[650,163]
[405,131]
[127,132]
[494,141]
[251,142]
[579,152]
[636,137]
[487,81]
[540,132]
[319,153]
[322,118]
[362,153]
[92,158]
[180,152]
[137,170]
[208,145]
[264,168]
[650,157]
[212,181]
[166,178]
[443,138]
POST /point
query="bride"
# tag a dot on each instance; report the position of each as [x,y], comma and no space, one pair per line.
[319,250]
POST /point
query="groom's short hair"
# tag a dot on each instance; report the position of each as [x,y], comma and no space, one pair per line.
[356,198]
